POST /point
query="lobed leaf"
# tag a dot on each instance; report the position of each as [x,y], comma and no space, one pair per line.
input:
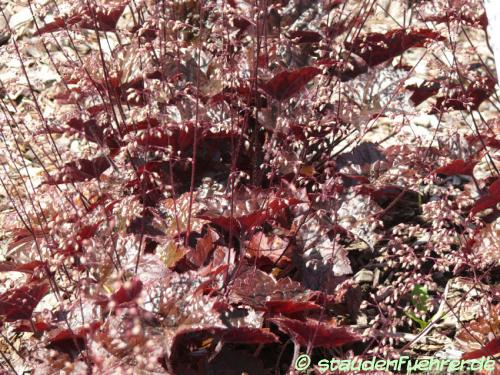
[315,333]
[19,303]
[376,48]
[81,170]
[457,167]
[490,349]
[286,84]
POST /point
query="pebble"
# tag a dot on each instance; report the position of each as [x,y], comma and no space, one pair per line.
[4,38]
[21,20]
[364,276]
[4,32]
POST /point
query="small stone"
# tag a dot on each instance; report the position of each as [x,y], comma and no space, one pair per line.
[376,278]
[4,38]
[21,19]
[364,276]
[362,320]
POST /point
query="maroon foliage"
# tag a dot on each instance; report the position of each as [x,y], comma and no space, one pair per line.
[38,324]
[290,307]
[127,292]
[457,167]
[470,97]
[30,267]
[248,335]
[315,333]
[81,170]
[423,91]
[256,288]
[204,184]
[286,84]
[92,132]
[103,19]
[490,349]
[375,48]
[242,223]
[192,348]
[304,36]
[347,68]
[70,340]
[19,303]
[490,200]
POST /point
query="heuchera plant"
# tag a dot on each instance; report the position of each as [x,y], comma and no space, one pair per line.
[196,191]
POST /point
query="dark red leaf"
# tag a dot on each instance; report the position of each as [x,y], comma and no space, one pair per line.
[423,91]
[347,68]
[346,301]
[494,188]
[315,333]
[178,139]
[277,205]
[484,203]
[470,99]
[399,204]
[242,23]
[242,223]
[128,292]
[488,141]
[488,201]
[86,232]
[93,132]
[248,335]
[241,92]
[492,142]
[81,170]
[252,220]
[156,139]
[30,267]
[490,349]
[304,36]
[27,327]
[58,24]
[254,288]
[19,303]
[287,307]
[286,84]
[375,48]
[457,167]
[185,345]
[191,348]
[105,17]
[156,74]
[70,340]
[38,322]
